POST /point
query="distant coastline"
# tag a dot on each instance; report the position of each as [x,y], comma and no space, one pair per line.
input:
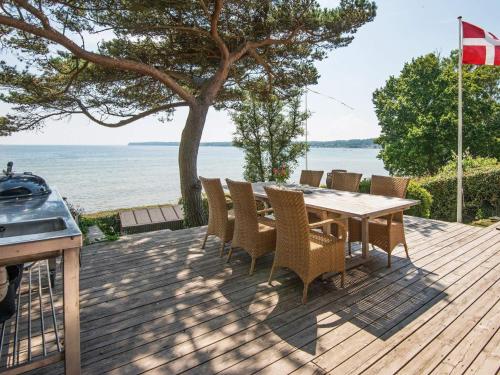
[348,143]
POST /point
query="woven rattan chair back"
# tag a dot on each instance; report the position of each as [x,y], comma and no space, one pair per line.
[329,176]
[245,210]
[390,187]
[346,181]
[311,178]
[292,228]
[217,207]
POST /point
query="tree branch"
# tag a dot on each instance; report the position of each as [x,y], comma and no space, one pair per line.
[244,48]
[49,33]
[138,116]
[214,32]
[74,75]
[264,64]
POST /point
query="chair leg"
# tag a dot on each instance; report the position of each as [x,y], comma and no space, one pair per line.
[229,254]
[221,251]
[388,260]
[204,240]
[273,268]
[349,246]
[252,266]
[406,250]
[304,293]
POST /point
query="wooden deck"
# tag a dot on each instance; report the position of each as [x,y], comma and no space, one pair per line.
[138,220]
[157,303]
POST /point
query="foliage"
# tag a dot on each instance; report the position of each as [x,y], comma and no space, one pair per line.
[267,129]
[469,163]
[281,174]
[418,114]
[109,224]
[75,211]
[156,56]
[481,187]
[418,192]
[159,53]
[415,191]
[345,143]
[364,186]
[204,202]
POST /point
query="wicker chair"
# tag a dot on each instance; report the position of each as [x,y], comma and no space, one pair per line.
[253,232]
[308,253]
[346,181]
[329,176]
[311,178]
[387,231]
[220,223]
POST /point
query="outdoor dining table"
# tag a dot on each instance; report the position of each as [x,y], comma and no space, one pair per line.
[343,205]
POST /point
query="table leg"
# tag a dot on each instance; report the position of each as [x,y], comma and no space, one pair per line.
[327,229]
[364,237]
[72,311]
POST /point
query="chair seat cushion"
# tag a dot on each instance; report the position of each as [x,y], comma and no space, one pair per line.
[319,240]
[267,221]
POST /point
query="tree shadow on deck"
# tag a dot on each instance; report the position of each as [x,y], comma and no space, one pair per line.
[154,301]
[425,227]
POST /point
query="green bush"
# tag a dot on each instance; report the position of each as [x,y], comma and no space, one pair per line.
[481,187]
[415,191]
[364,186]
[469,164]
[109,224]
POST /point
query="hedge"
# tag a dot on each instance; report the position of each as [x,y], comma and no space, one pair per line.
[481,194]
[415,191]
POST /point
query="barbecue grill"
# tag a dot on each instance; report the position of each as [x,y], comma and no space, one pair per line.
[22,185]
[25,201]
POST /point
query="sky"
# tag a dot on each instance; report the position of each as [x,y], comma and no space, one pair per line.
[402,30]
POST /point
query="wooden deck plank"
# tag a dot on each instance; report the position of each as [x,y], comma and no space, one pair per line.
[157,303]
[359,313]
[170,266]
[127,218]
[465,352]
[214,345]
[150,219]
[156,215]
[142,216]
[368,350]
[169,213]
[396,358]
[488,361]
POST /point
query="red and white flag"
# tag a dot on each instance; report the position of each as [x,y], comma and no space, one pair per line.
[479,46]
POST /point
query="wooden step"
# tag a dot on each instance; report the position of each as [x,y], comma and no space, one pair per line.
[150,219]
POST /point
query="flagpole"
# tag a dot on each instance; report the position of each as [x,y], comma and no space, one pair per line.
[307,144]
[459,151]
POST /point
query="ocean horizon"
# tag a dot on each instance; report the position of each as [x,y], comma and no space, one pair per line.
[98,178]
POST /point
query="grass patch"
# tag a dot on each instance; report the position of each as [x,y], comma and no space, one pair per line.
[484,222]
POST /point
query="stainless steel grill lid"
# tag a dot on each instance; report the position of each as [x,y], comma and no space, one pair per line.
[21,185]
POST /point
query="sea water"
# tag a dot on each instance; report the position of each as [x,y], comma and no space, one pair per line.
[98,178]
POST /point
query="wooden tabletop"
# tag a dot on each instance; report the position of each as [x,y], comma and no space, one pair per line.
[344,202]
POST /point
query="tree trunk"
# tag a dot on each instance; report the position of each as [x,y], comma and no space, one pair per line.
[188,156]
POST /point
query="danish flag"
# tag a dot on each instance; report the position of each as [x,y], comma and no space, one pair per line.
[479,46]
